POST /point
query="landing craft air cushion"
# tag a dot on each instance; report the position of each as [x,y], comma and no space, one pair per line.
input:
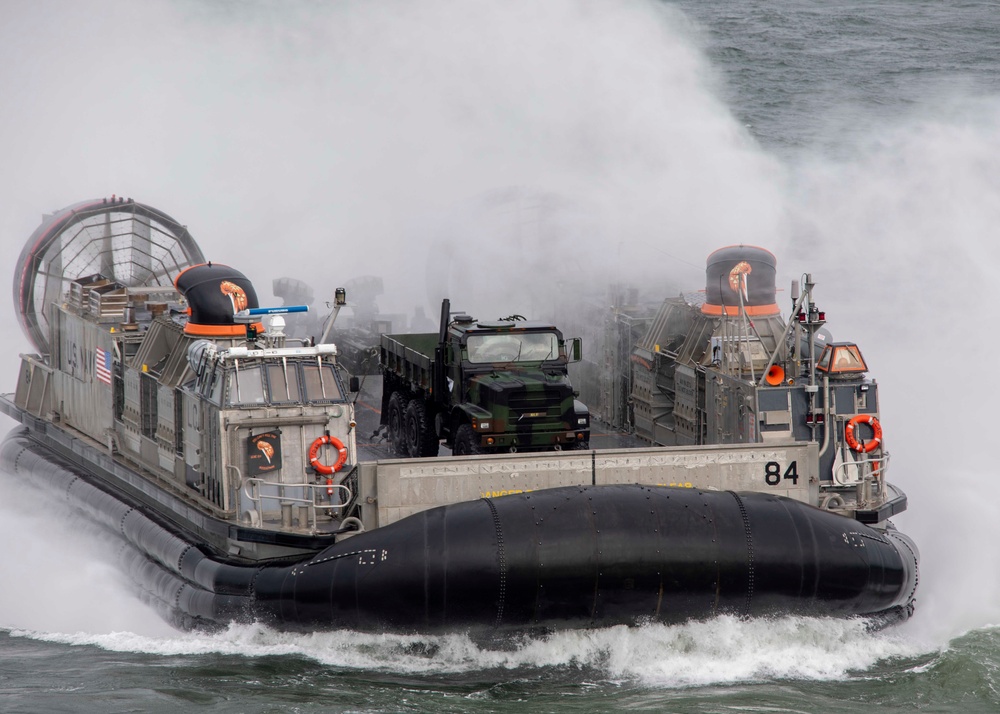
[226,456]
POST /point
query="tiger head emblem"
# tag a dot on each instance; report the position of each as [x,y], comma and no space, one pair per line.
[237,296]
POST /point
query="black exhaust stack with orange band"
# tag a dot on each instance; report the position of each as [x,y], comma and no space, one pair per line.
[742,269]
[215,293]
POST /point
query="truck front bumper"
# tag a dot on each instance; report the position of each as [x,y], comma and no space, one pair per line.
[562,439]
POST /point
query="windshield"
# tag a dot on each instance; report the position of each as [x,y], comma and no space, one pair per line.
[285,382]
[513,347]
[845,359]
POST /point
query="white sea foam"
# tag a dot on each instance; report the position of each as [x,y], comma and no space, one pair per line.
[720,651]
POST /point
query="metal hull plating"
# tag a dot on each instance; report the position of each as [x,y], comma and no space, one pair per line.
[564,557]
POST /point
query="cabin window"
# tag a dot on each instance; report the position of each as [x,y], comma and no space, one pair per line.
[246,386]
[842,359]
[513,347]
[218,381]
[178,421]
[848,359]
[283,382]
[320,383]
[148,404]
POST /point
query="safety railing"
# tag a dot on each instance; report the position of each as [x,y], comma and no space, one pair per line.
[868,477]
[298,504]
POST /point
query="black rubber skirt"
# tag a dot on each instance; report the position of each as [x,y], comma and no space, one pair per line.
[560,558]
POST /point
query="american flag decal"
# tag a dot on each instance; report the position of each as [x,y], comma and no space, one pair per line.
[102,366]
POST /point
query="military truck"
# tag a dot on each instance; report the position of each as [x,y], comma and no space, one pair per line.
[481,387]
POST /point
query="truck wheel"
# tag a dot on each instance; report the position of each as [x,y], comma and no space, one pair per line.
[420,437]
[466,442]
[397,410]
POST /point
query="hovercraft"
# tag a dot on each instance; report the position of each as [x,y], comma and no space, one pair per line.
[166,403]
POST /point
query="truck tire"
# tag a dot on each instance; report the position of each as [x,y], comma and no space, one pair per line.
[395,420]
[466,442]
[420,438]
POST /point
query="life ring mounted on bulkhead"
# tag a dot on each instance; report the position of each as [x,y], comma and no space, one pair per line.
[864,447]
[320,467]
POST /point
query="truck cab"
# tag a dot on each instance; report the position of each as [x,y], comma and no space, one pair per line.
[482,386]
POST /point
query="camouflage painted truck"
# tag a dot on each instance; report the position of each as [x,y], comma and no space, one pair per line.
[481,387]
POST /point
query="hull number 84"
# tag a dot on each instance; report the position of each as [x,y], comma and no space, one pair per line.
[773,474]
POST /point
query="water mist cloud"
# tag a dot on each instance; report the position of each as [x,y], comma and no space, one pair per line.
[325,141]
[900,232]
[59,570]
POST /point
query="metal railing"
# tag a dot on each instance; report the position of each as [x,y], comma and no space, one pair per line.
[874,475]
[311,499]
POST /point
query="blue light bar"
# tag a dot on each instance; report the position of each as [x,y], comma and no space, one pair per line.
[272,310]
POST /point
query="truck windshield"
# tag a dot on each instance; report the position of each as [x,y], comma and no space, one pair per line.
[513,347]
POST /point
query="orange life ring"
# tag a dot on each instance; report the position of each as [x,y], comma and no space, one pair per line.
[867,446]
[336,443]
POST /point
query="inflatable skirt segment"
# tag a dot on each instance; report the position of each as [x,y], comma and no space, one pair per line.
[566,557]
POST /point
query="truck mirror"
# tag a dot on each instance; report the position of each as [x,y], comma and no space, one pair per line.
[575,349]
[354,384]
